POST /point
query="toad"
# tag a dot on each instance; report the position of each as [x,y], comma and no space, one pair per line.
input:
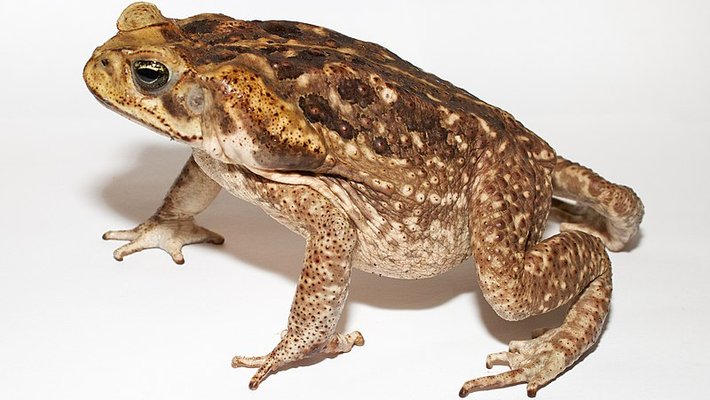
[379,165]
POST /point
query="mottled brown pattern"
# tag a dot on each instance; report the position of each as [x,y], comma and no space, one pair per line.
[357,92]
[380,165]
[317,110]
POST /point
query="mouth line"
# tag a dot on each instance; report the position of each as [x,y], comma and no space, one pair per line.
[113,107]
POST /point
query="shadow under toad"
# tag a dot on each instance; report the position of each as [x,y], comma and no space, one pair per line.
[257,240]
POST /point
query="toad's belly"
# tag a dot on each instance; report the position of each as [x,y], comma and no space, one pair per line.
[411,249]
[436,249]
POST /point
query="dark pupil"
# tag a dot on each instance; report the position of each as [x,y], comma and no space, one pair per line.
[148,74]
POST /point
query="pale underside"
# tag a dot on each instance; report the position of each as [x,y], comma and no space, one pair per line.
[381,248]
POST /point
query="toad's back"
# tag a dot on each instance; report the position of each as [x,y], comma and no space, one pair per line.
[374,109]
[404,145]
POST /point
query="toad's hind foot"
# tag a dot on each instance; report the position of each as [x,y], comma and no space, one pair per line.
[288,351]
[536,361]
[539,360]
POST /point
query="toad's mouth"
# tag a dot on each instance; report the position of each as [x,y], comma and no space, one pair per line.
[110,105]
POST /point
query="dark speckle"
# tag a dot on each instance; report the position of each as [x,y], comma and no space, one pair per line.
[381,147]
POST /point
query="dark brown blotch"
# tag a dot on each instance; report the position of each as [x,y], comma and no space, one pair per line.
[421,116]
[284,29]
[472,105]
[317,110]
[286,69]
[201,26]
[339,39]
[170,33]
[437,133]
[216,55]
[309,55]
[225,122]
[280,153]
[358,61]
[173,106]
[355,91]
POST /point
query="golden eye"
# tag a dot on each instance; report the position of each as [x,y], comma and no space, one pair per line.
[150,75]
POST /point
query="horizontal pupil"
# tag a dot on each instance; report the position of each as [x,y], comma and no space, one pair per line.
[148,74]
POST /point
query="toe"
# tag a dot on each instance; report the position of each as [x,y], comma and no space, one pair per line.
[178,258]
[248,362]
[175,251]
[120,235]
[126,250]
[497,359]
[260,375]
[532,389]
[356,338]
[493,382]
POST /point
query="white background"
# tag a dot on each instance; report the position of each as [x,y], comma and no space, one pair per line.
[621,86]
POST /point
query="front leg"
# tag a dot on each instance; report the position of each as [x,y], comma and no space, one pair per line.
[322,286]
[173,224]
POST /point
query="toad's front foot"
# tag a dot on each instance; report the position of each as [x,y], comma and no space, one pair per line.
[167,234]
[536,361]
[291,350]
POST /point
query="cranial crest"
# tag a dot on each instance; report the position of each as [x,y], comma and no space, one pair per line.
[139,15]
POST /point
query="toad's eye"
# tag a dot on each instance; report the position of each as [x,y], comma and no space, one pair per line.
[150,75]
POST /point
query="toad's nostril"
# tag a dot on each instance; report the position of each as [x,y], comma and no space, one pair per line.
[104,62]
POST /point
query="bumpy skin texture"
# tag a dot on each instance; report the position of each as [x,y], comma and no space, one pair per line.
[380,165]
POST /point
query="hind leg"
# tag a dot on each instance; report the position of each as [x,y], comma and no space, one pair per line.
[608,211]
[520,277]
[541,359]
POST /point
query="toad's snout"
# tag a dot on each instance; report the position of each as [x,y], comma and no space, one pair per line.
[98,72]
